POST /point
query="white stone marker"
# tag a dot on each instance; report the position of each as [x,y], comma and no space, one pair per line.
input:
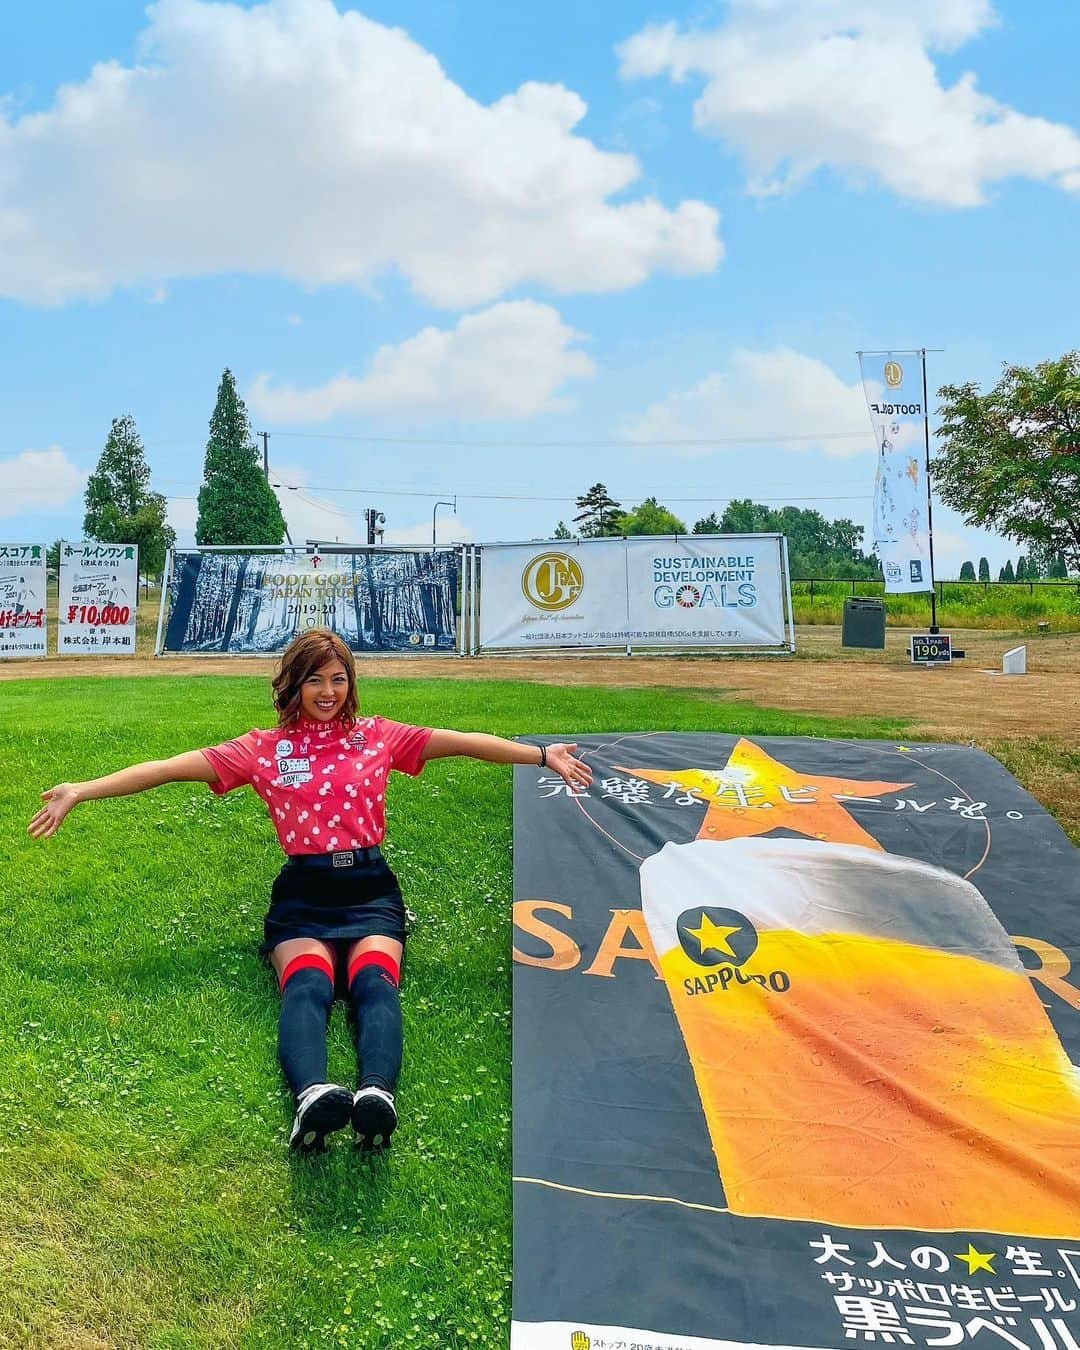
[1014,662]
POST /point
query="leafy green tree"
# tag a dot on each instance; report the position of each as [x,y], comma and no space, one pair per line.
[236,503]
[816,547]
[967,572]
[600,513]
[1007,573]
[707,525]
[1058,570]
[120,508]
[650,518]
[1010,459]
[984,569]
[561,531]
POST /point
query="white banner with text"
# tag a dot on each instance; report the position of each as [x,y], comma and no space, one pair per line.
[99,598]
[669,591]
[893,384]
[22,600]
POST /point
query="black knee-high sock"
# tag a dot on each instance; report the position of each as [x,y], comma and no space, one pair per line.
[376,1007]
[306,1001]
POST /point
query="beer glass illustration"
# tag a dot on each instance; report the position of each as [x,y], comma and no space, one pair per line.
[867,1047]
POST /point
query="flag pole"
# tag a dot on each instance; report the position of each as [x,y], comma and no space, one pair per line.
[929,498]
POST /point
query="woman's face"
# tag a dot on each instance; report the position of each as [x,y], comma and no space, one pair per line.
[324,690]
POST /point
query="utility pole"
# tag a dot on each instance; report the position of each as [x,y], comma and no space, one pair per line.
[374,520]
[266,470]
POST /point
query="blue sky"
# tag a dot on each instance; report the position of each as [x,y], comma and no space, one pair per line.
[514,252]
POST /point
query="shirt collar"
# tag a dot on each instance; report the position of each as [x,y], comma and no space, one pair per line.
[312,726]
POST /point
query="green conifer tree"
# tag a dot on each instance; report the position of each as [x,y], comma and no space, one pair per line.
[236,503]
[120,508]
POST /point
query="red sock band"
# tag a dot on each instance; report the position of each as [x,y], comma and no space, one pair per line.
[307,961]
[381,959]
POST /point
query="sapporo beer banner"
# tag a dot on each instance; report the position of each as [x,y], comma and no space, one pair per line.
[99,598]
[22,600]
[662,591]
[796,1034]
[893,384]
[377,600]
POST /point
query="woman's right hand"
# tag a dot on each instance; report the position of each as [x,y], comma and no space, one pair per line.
[58,802]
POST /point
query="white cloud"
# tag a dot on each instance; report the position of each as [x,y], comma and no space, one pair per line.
[38,481]
[781,393]
[797,85]
[290,139]
[501,364]
[448,530]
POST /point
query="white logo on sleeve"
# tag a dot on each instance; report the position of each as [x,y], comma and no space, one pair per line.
[283,748]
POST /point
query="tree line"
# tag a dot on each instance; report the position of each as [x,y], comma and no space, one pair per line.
[1026,569]
[816,547]
[1007,460]
[236,503]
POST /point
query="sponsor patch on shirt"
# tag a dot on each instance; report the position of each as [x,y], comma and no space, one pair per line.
[292,772]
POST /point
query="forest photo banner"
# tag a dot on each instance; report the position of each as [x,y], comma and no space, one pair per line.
[255,603]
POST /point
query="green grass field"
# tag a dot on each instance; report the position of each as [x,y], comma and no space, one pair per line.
[962,605]
[149,1198]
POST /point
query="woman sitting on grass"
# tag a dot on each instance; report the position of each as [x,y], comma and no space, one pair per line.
[336,916]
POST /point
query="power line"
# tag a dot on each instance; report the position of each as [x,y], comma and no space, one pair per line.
[622,443]
[523,497]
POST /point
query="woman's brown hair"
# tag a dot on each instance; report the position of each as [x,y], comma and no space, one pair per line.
[303,656]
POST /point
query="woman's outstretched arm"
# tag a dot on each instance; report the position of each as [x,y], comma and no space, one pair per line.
[558,758]
[191,767]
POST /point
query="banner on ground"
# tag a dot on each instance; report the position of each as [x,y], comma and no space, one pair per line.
[99,598]
[893,384]
[648,591]
[796,1035]
[391,600]
[22,600]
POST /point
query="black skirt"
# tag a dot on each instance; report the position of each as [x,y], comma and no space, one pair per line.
[314,898]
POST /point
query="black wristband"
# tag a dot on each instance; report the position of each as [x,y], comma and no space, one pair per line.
[543,756]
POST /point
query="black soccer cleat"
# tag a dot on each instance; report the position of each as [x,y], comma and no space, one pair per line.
[323,1109]
[374,1119]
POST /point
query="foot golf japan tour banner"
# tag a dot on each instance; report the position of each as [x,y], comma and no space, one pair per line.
[796,1035]
[243,602]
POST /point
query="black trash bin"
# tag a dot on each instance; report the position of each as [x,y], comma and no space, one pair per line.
[864,623]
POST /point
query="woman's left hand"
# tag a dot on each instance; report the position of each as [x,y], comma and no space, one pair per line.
[575,772]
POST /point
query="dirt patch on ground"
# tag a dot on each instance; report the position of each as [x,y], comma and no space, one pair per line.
[962,703]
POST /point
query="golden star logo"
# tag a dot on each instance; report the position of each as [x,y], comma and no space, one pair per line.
[755,794]
[976,1260]
[713,937]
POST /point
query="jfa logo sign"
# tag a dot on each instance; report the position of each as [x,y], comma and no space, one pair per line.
[552,581]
